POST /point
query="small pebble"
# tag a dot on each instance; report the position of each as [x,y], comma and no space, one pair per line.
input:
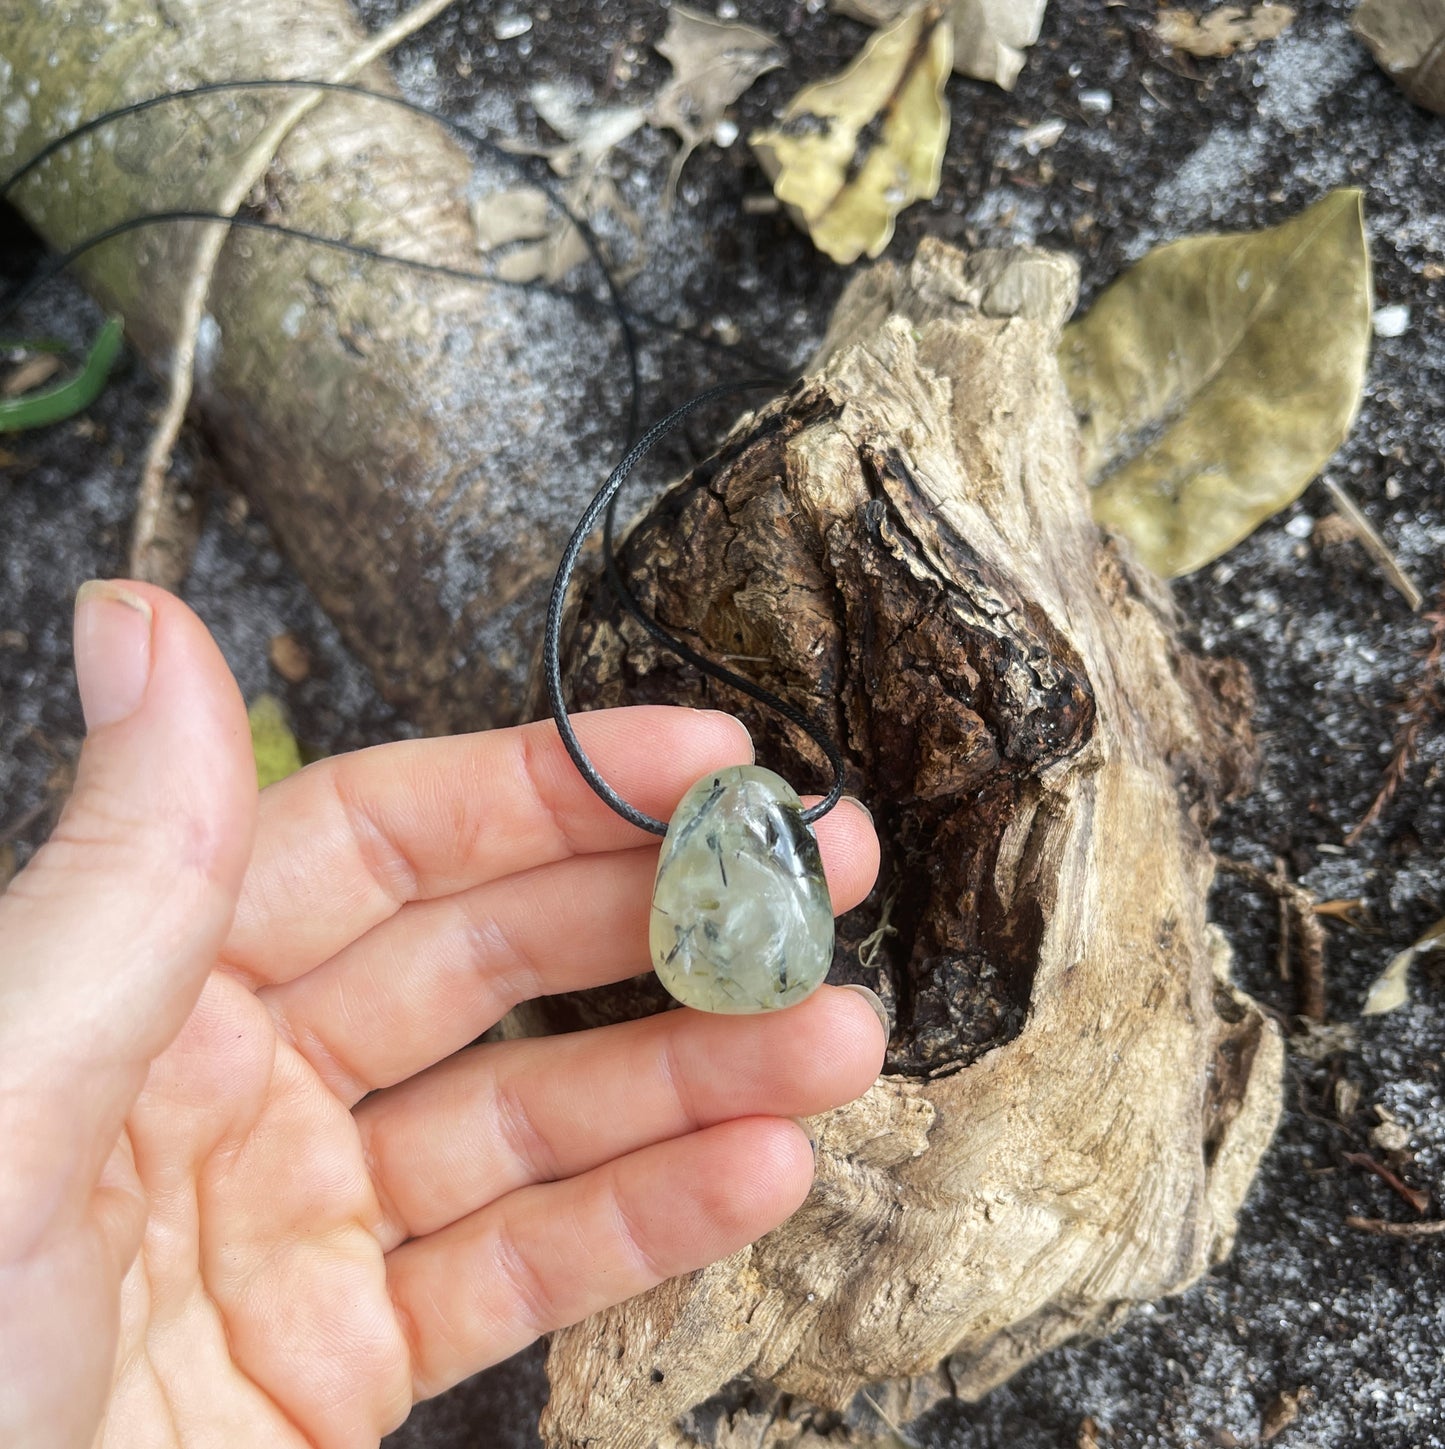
[1391,321]
[509,27]
[1096,103]
[725,133]
[289,658]
[1041,137]
[1300,526]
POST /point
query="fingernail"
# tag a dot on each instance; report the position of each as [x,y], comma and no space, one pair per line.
[876,1002]
[112,651]
[807,1131]
[733,719]
[858,804]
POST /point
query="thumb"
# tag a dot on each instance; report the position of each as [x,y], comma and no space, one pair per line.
[107,936]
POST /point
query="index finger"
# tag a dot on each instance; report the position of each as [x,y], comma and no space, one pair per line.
[345,843]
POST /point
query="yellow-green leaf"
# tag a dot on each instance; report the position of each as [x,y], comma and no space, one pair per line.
[1392,989]
[1214,379]
[852,151]
[272,743]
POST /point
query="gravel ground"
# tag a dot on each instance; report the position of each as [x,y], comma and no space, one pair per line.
[1355,1324]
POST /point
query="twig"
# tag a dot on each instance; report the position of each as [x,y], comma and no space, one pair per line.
[1413,1195]
[153,495]
[1428,1229]
[1421,702]
[1376,546]
[1299,920]
[893,1428]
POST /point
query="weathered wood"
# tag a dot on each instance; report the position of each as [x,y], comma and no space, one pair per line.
[1076,1097]
[413,442]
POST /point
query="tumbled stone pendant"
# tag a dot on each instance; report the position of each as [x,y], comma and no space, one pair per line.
[741,916]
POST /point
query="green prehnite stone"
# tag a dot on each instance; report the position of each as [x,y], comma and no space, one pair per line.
[741,917]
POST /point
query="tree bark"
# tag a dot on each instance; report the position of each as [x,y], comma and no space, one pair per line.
[1076,1097]
[411,441]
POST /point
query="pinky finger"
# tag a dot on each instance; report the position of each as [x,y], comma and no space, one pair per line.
[549,1255]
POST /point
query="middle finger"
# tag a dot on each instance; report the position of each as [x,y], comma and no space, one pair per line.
[438,973]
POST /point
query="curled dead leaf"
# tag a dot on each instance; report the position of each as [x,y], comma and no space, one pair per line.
[852,151]
[713,63]
[1215,378]
[989,36]
[1222,31]
[1407,39]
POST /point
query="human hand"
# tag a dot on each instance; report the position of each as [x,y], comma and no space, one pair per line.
[249,1194]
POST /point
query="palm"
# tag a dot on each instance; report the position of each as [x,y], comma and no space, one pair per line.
[259,1294]
[321,1208]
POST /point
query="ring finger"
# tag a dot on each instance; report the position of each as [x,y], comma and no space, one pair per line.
[509,1114]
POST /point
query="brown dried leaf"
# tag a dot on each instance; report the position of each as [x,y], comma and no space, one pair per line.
[989,36]
[1407,39]
[1282,1412]
[1214,379]
[713,63]
[852,151]
[1222,31]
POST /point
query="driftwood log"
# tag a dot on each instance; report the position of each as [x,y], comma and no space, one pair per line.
[416,444]
[1076,1097]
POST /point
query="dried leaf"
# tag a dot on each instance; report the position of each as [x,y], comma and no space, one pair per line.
[1407,39]
[587,136]
[989,36]
[1281,1412]
[1392,989]
[523,214]
[554,246]
[1215,378]
[1222,31]
[851,152]
[713,63]
[272,743]
[520,213]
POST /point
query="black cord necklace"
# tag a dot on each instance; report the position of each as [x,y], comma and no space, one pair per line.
[741,917]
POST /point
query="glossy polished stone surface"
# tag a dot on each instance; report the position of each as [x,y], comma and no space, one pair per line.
[741,917]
